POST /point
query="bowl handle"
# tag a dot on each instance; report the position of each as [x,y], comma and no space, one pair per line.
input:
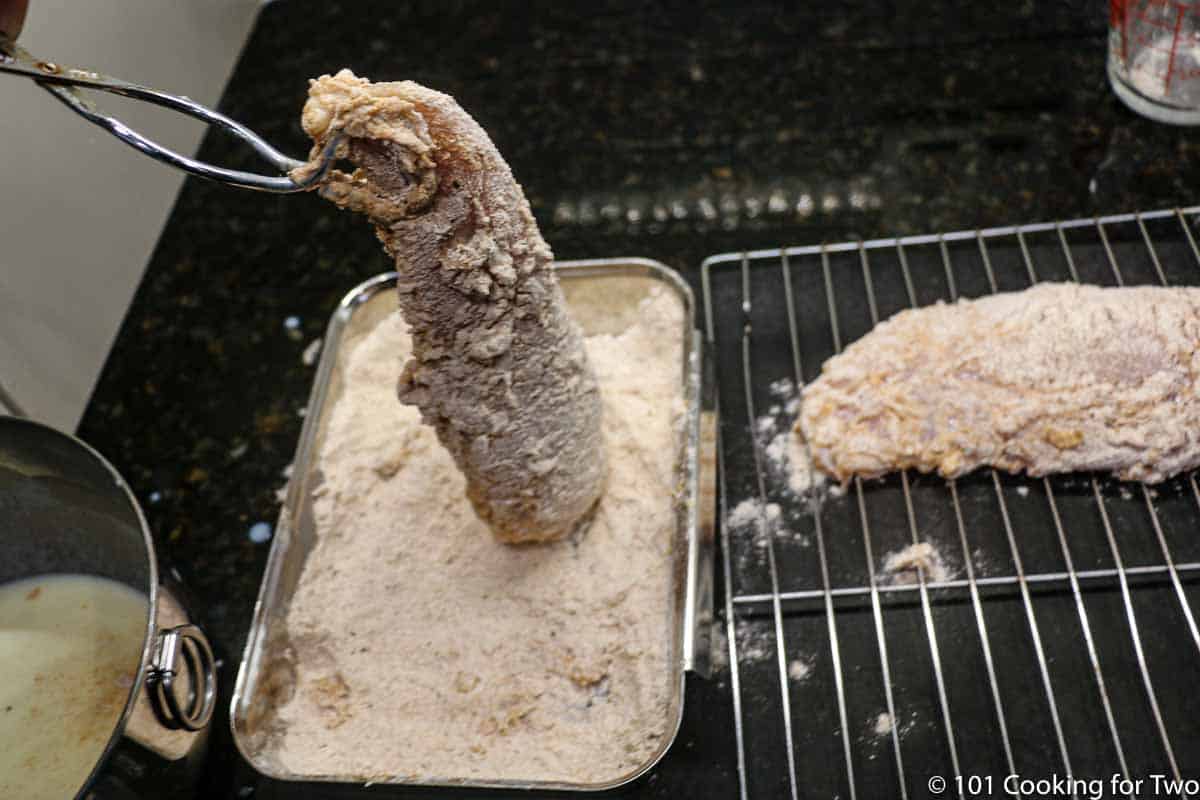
[183,650]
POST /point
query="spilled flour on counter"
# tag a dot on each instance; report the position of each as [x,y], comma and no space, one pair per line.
[751,512]
[787,454]
[757,519]
[419,647]
[753,525]
[720,646]
[789,476]
[879,728]
[755,643]
[799,669]
[787,459]
[900,566]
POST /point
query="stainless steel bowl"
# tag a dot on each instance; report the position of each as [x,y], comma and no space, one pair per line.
[64,509]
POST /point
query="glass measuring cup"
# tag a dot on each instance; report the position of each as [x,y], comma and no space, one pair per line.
[1154,57]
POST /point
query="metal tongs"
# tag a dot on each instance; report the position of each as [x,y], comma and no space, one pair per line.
[60,82]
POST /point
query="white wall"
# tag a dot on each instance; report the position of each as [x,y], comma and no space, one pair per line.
[79,211]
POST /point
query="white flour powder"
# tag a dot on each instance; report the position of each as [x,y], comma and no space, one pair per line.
[786,454]
[799,670]
[900,566]
[421,647]
[787,458]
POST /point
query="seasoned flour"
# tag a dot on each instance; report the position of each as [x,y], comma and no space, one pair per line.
[420,647]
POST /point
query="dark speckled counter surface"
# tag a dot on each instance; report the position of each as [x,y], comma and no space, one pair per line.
[671,134]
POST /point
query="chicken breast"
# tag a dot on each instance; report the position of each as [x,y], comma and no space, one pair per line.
[1056,378]
[498,367]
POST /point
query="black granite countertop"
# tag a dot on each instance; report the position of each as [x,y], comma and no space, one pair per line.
[671,134]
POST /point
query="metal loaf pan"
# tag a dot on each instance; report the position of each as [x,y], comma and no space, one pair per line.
[593,289]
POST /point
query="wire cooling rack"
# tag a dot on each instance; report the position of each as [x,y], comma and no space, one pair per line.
[1053,634]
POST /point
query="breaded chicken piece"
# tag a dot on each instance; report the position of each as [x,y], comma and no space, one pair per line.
[1055,378]
[498,367]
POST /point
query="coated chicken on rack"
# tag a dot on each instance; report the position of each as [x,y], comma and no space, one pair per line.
[1055,378]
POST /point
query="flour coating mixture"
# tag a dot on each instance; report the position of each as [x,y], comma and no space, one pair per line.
[418,647]
[1056,378]
[497,366]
